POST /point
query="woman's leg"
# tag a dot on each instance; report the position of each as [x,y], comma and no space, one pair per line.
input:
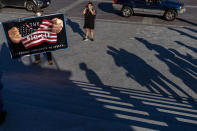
[37,59]
[87,33]
[92,33]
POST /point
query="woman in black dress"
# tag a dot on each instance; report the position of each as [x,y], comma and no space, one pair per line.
[89,14]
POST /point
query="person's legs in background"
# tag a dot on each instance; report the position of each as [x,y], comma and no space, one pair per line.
[92,34]
[37,59]
[87,34]
[49,58]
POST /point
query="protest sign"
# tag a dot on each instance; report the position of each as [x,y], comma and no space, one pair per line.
[34,35]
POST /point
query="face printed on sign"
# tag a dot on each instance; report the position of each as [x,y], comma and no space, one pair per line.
[36,33]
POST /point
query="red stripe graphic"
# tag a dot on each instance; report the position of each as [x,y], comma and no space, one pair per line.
[42,34]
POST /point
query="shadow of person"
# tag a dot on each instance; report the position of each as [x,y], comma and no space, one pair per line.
[189,60]
[50,89]
[16,69]
[189,47]
[178,67]
[188,57]
[13,65]
[141,72]
[75,27]
[191,29]
[186,21]
[91,75]
[183,33]
[107,7]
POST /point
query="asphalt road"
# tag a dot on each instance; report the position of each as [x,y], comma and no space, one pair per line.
[133,77]
[106,12]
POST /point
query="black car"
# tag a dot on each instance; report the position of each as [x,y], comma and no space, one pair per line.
[30,5]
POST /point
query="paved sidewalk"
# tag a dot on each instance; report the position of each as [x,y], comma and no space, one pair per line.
[133,77]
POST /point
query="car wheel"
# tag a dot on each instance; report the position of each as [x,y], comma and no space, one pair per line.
[127,11]
[170,15]
[30,6]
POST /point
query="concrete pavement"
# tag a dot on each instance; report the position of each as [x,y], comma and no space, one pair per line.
[133,77]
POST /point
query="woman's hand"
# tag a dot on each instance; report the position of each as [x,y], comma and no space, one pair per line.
[84,11]
[90,7]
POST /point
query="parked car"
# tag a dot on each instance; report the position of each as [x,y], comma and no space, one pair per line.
[168,8]
[30,5]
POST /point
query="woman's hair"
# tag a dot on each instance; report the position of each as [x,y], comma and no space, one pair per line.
[90,3]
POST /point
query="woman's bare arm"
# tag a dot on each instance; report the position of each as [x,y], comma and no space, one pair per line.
[84,11]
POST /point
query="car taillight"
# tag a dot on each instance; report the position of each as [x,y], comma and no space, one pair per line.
[115,1]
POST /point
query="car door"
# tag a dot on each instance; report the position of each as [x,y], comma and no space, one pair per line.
[17,3]
[139,6]
[154,7]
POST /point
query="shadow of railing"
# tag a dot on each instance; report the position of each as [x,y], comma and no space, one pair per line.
[177,66]
[103,106]
[186,21]
[191,29]
[143,109]
[183,33]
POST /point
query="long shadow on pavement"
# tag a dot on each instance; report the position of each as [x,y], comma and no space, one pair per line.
[191,29]
[75,27]
[145,110]
[186,21]
[178,67]
[183,33]
[189,47]
[67,104]
[143,73]
[31,89]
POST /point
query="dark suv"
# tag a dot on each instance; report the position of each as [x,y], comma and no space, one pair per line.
[168,8]
[30,5]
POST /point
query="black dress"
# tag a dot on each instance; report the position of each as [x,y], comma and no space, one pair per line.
[89,20]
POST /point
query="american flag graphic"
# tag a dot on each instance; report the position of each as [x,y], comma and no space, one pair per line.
[33,37]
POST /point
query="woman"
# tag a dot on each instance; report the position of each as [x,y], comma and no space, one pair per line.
[89,14]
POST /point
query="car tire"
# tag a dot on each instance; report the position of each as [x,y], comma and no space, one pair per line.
[127,11]
[170,15]
[30,6]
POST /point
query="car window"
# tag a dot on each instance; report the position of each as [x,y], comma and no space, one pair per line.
[153,1]
[172,0]
[140,1]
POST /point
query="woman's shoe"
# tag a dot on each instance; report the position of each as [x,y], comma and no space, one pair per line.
[92,39]
[85,39]
[37,62]
[50,62]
